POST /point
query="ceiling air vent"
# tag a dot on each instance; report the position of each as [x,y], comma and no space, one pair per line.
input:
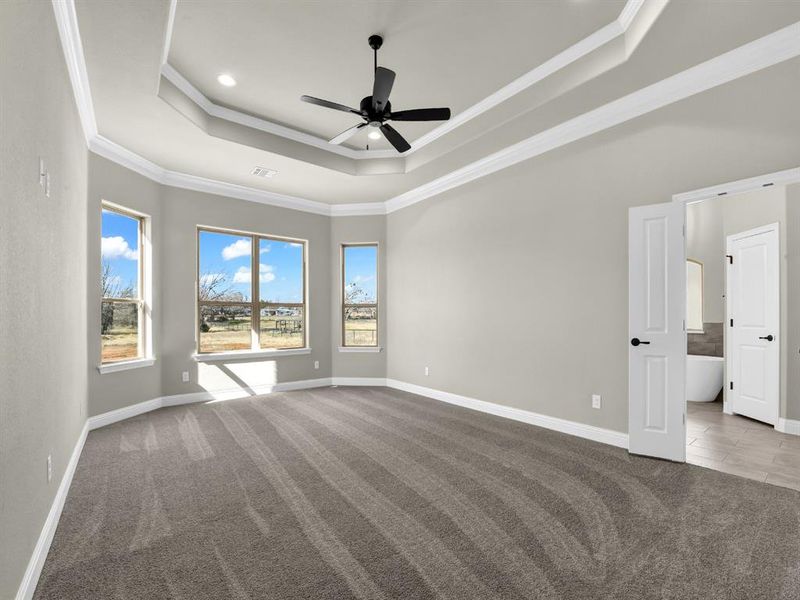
[263,172]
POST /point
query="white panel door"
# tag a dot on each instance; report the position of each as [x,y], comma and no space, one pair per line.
[657,338]
[754,323]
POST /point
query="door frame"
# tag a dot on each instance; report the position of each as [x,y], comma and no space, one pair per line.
[786,177]
[729,345]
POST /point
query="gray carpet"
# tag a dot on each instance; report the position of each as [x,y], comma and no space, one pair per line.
[370,493]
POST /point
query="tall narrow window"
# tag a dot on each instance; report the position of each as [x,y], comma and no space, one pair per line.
[359,295]
[122,313]
[250,292]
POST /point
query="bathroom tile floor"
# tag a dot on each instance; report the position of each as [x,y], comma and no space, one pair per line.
[741,446]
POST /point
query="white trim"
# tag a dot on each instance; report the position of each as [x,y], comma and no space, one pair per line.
[67,22]
[240,354]
[577,51]
[744,60]
[173,5]
[31,577]
[787,177]
[764,52]
[360,349]
[122,156]
[788,426]
[359,381]
[589,432]
[126,365]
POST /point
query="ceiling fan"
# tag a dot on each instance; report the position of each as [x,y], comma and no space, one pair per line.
[376,109]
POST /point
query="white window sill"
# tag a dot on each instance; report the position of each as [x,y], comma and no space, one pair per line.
[237,354]
[360,348]
[126,365]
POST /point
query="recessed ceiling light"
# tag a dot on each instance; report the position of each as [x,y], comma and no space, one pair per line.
[374,135]
[226,80]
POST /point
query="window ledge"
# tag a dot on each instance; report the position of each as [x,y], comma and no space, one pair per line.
[126,365]
[360,348]
[237,354]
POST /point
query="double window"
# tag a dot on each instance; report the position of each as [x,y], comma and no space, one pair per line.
[359,295]
[251,292]
[124,311]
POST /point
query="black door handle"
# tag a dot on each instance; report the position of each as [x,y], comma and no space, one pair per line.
[637,341]
[769,337]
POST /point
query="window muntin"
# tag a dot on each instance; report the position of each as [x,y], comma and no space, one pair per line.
[694,296]
[359,295]
[122,305]
[251,292]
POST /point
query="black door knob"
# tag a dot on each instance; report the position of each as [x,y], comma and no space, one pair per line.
[637,341]
[769,337]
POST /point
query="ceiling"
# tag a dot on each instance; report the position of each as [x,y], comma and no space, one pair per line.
[444,55]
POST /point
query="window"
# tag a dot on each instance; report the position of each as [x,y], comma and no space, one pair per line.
[359,295]
[694,296]
[123,307]
[250,292]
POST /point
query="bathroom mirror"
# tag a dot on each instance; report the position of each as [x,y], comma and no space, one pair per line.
[694,296]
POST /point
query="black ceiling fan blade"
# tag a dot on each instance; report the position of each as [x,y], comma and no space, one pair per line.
[329,104]
[395,139]
[346,134]
[421,114]
[384,80]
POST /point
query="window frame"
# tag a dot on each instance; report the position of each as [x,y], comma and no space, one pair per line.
[702,297]
[143,299]
[342,295]
[255,303]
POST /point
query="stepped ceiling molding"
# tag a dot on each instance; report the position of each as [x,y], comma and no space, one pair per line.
[521,79]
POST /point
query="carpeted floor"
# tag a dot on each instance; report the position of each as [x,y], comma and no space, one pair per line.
[370,493]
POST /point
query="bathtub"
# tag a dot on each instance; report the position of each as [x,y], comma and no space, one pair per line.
[703,377]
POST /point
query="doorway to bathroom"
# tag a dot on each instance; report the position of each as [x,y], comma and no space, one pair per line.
[715,390]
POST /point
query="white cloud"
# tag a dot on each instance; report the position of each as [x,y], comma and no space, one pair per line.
[362,279]
[265,274]
[116,247]
[236,249]
[265,249]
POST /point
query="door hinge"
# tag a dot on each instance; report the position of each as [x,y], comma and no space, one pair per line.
[730,258]
[731,322]
[731,385]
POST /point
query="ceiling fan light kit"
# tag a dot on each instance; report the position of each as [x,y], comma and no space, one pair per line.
[376,109]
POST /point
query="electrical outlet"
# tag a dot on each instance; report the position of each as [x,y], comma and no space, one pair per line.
[427,371]
[596,400]
[316,364]
[49,468]
[185,377]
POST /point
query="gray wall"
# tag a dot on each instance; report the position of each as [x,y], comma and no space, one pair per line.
[520,292]
[113,183]
[792,336]
[346,230]
[42,279]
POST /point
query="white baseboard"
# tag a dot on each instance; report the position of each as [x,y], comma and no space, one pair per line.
[373,381]
[590,432]
[133,410]
[790,426]
[34,569]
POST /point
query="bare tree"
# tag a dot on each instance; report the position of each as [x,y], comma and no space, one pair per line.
[354,294]
[111,284]
[215,286]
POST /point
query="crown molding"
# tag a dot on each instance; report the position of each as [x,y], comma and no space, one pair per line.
[67,23]
[744,60]
[586,46]
[135,162]
[764,52]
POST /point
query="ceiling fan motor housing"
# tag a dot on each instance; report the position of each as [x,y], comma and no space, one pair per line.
[371,115]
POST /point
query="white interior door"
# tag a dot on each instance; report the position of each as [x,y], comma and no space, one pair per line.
[657,337]
[754,323]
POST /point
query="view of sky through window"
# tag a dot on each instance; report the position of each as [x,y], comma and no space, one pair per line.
[120,254]
[360,273]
